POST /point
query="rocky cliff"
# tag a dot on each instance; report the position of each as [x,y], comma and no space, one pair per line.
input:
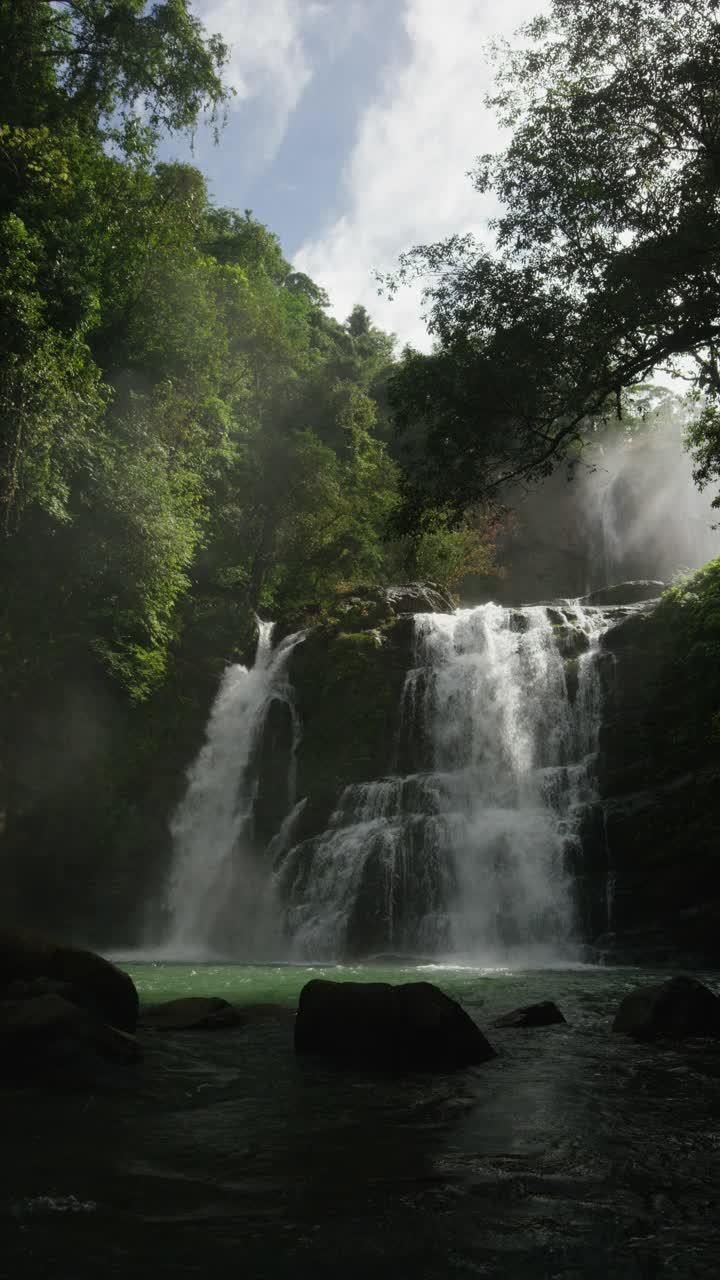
[659,777]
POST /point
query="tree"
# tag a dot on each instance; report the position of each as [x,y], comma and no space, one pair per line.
[606,256]
[98,60]
[89,233]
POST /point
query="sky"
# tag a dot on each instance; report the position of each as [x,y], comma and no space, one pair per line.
[352,129]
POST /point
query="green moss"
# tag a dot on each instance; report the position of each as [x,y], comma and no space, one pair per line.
[668,703]
[348,687]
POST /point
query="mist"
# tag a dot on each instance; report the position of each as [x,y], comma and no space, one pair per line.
[646,517]
[625,507]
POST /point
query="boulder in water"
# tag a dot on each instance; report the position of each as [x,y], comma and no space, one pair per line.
[626,593]
[410,1026]
[680,1007]
[543,1014]
[191,1013]
[86,979]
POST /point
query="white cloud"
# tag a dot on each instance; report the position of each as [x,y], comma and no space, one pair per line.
[406,180]
[269,66]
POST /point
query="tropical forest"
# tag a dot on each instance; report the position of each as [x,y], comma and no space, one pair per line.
[360,638]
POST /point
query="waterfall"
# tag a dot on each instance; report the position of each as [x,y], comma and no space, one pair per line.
[471,846]
[643,514]
[218,898]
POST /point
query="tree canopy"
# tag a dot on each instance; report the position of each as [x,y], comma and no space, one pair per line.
[186,435]
[605,257]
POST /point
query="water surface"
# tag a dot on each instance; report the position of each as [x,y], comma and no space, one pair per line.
[575,1154]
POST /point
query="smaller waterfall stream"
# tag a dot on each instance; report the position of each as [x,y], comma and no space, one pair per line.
[218,898]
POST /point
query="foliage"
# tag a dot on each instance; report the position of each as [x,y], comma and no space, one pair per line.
[186,435]
[605,258]
[103,59]
[693,607]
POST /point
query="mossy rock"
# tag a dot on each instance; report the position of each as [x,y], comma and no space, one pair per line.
[347,686]
[658,772]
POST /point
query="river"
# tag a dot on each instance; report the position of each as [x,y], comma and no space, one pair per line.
[576,1153]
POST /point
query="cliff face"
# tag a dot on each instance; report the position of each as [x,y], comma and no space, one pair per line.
[85,848]
[659,778]
[348,677]
[648,877]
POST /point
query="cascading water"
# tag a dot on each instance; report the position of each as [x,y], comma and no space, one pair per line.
[470,848]
[218,900]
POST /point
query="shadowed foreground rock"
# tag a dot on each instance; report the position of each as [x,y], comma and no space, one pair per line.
[81,977]
[411,1026]
[679,1007]
[47,1039]
[543,1014]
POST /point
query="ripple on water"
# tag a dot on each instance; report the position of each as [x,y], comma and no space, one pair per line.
[574,1153]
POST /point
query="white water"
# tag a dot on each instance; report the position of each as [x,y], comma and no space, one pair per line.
[471,853]
[217,897]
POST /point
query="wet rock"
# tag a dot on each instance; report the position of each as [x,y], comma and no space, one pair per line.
[557,617]
[627,593]
[680,1007]
[413,1026]
[366,608]
[369,607]
[28,989]
[48,1038]
[191,1013]
[543,1014]
[87,979]
[571,641]
[273,759]
[348,699]
[519,621]
[411,597]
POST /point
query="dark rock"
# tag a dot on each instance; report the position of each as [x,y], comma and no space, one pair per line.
[543,1014]
[389,909]
[557,618]
[588,863]
[28,989]
[273,799]
[196,1013]
[572,679]
[348,688]
[366,608]
[626,593]
[87,979]
[571,641]
[50,1038]
[411,597]
[680,1007]
[519,622]
[658,772]
[412,1026]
